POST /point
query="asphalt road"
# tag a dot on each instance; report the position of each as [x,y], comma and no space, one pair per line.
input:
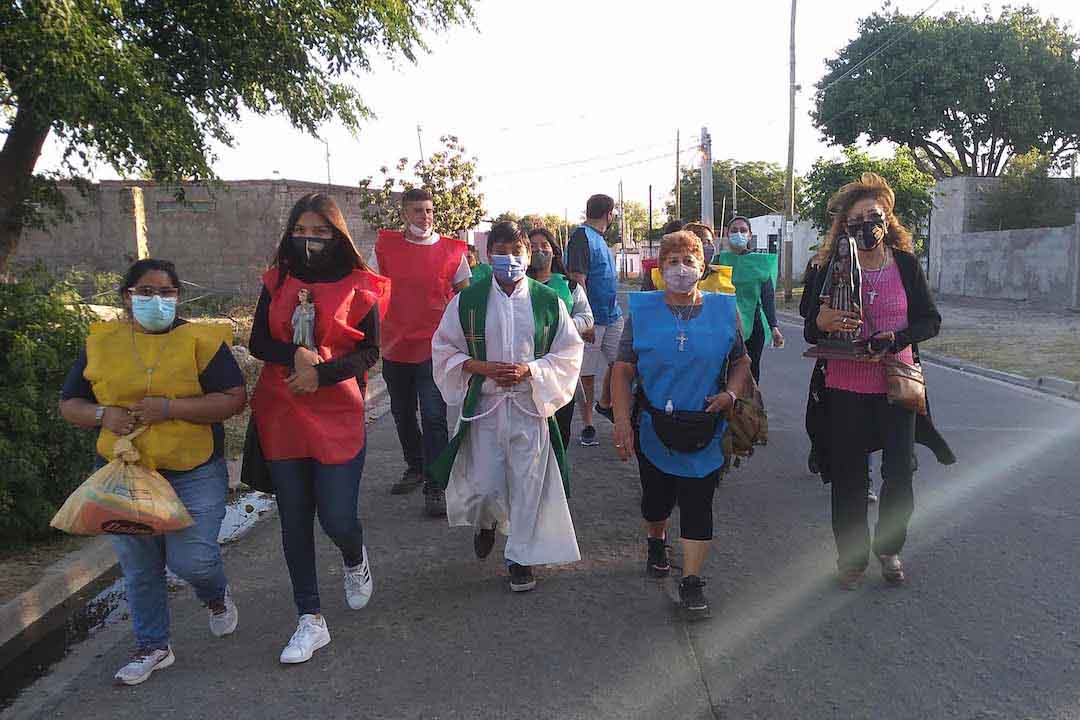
[987,626]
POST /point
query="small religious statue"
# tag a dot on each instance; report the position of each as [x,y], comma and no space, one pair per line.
[841,290]
[303,321]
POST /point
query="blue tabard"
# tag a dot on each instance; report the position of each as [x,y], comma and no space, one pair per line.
[601,283]
[685,377]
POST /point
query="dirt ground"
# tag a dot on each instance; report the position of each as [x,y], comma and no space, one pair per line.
[22,567]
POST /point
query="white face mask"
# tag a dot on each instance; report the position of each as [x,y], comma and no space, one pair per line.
[681,278]
[420,232]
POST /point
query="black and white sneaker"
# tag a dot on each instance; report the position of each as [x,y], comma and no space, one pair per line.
[657,565]
[410,480]
[434,501]
[521,578]
[588,437]
[692,598]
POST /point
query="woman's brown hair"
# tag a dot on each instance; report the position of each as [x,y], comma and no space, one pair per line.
[869,185]
[325,206]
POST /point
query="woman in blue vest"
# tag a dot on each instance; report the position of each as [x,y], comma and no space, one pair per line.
[547,267]
[678,344]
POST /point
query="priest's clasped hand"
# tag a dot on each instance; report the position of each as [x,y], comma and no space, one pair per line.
[504,374]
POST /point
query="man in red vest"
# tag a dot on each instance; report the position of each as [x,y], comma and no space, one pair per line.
[425,270]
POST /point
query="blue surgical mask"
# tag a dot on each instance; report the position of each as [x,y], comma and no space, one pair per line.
[154,313]
[739,241]
[509,268]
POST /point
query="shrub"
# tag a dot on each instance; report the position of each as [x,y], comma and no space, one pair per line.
[42,330]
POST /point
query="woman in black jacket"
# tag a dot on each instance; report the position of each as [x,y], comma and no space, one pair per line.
[848,415]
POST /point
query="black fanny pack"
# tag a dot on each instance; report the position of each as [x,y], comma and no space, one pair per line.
[684,431]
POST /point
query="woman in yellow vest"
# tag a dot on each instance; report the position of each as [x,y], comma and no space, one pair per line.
[180,381]
[716,278]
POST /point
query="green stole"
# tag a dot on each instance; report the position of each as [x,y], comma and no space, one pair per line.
[472,312]
[557,282]
[480,273]
[749,272]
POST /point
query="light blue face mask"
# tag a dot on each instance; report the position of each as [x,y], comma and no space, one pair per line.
[154,313]
[739,241]
[509,268]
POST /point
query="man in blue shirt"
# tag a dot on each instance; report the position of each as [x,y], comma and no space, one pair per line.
[591,264]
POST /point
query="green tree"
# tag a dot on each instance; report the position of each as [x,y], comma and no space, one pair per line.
[914,188]
[760,191]
[450,176]
[965,92]
[148,86]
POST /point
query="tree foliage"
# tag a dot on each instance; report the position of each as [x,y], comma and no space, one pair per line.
[965,92]
[914,188]
[42,331]
[760,191]
[148,86]
[450,176]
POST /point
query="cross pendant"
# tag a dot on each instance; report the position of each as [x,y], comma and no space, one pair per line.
[873,295]
[681,339]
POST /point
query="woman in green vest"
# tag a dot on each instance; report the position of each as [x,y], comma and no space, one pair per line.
[754,276]
[547,267]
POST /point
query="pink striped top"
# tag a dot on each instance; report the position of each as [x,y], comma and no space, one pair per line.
[887,313]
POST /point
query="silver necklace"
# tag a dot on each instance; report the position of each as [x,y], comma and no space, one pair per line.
[682,315]
[873,293]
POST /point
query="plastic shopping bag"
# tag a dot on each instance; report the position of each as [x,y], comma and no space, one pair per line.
[123,498]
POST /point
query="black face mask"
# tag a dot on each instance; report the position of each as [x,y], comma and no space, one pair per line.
[315,253]
[869,234]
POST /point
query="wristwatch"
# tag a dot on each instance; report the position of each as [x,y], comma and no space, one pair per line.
[99,414]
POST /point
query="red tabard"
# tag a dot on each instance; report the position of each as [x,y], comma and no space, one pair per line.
[327,425]
[423,285]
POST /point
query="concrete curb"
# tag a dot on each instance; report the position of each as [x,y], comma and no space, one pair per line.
[82,568]
[61,580]
[1058,387]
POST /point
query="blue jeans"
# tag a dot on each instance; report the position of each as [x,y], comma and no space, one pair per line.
[407,383]
[192,553]
[302,486]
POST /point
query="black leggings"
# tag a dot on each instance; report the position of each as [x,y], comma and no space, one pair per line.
[660,492]
[755,345]
[857,423]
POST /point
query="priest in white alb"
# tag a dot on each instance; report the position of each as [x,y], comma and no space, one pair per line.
[508,353]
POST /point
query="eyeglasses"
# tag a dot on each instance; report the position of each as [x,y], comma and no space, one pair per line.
[152,290]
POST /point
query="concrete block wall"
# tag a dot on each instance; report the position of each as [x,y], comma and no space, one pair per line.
[221,237]
[1040,265]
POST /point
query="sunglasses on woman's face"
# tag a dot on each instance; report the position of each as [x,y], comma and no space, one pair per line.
[152,290]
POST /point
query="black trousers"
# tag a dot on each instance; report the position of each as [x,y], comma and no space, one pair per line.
[564,416]
[857,424]
[660,493]
[755,345]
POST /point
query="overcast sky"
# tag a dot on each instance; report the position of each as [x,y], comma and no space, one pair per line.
[595,88]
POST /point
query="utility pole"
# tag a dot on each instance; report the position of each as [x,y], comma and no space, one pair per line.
[678,188]
[420,142]
[706,178]
[789,187]
[327,164]
[734,190]
[649,236]
[622,230]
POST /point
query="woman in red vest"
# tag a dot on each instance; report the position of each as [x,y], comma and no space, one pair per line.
[317,329]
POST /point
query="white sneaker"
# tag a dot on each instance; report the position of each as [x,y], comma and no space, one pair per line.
[358,583]
[144,663]
[311,634]
[224,622]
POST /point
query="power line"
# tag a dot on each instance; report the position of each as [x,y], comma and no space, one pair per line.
[571,163]
[636,162]
[760,201]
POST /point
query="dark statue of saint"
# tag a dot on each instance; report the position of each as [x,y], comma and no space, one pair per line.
[841,290]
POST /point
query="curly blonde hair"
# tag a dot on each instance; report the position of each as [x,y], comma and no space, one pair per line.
[869,185]
[681,241]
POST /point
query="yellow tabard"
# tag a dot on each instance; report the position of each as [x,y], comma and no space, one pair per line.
[121,364]
[719,280]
